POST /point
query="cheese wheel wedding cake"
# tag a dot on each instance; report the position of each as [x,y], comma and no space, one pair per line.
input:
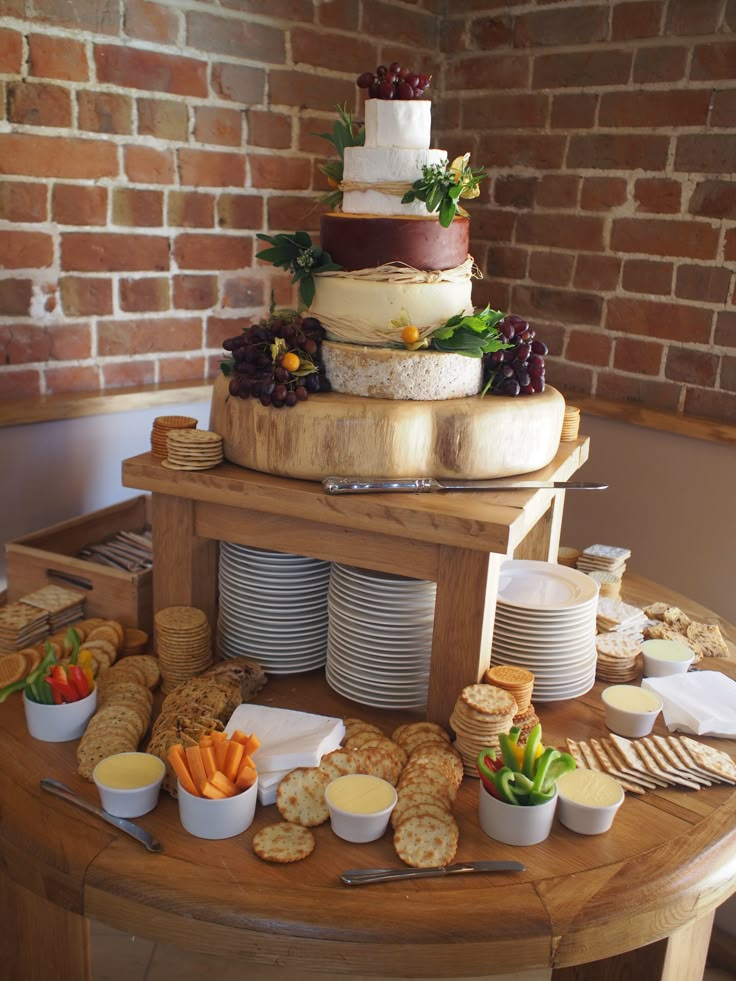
[389,369]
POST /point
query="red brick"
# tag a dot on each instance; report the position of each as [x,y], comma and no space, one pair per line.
[573,110]
[269,129]
[113,252]
[279,172]
[520,111]
[692,17]
[23,344]
[191,209]
[414,28]
[195,292]
[69,342]
[241,292]
[446,114]
[132,206]
[714,61]
[502,71]
[57,57]
[245,39]
[117,338]
[664,396]
[685,364]
[25,250]
[647,276]
[488,34]
[505,262]
[636,20]
[336,52]
[588,347]
[39,104]
[105,112]
[579,232]
[345,14]
[603,193]
[146,165]
[643,357]
[596,272]
[710,284]
[728,374]
[570,377]
[202,168]
[182,369]
[213,251]
[77,204]
[150,21]
[558,191]
[218,126]
[617,151]
[239,83]
[128,374]
[163,118]
[660,64]
[515,191]
[729,247]
[542,151]
[686,239]
[714,199]
[674,107]
[71,379]
[293,88]
[287,212]
[11,51]
[658,195]
[240,211]
[143,294]
[582,68]
[83,296]
[723,108]
[23,201]
[564,305]
[83,15]
[705,152]
[725,333]
[493,225]
[710,405]
[56,156]
[136,68]
[219,329]
[654,318]
[15,297]
[578,26]
[291,9]
[454,39]
[25,383]
[551,268]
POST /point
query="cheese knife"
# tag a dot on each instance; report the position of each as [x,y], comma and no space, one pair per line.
[359,877]
[378,485]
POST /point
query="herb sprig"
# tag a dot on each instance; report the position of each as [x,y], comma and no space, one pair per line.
[344,133]
[442,185]
[299,256]
[472,335]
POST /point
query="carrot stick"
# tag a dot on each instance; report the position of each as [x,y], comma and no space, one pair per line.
[233,758]
[246,777]
[196,766]
[224,784]
[220,748]
[180,769]
[208,760]
[209,790]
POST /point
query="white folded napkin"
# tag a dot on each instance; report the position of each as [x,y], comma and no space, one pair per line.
[699,702]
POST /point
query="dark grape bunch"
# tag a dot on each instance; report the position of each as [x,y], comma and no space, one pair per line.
[276,360]
[394,82]
[518,369]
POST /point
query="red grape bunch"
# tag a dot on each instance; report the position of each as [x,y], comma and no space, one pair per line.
[518,369]
[394,82]
[276,360]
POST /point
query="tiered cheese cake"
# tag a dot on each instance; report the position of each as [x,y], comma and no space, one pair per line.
[397,406]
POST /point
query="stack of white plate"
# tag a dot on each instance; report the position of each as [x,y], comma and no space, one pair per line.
[546,622]
[380,637]
[273,608]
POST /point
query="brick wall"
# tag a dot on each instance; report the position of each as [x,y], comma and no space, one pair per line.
[610,217]
[142,146]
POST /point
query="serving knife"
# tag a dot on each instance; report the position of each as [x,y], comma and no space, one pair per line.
[380,485]
[360,877]
[134,830]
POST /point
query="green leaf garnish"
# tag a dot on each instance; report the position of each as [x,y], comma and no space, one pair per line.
[300,257]
[442,185]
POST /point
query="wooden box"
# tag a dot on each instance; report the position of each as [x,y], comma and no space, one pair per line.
[49,556]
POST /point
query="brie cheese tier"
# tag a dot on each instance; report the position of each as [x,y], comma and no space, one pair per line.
[398,122]
[360,311]
[391,373]
[365,241]
[370,167]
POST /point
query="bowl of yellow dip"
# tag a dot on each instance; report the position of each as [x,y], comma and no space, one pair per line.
[360,806]
[629,710]
[129,783]
[588,801]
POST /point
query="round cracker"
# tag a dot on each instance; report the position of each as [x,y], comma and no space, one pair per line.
[283,842]
[426,841]
[300,797]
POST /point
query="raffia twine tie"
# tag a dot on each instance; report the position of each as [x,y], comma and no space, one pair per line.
[395,188]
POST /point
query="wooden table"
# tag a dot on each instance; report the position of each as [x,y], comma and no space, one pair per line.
[456,540]
[652,882]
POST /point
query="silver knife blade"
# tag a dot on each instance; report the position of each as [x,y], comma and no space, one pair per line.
[384,485]
[360,877]
[134,830]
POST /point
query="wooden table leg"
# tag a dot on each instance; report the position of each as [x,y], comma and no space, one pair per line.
[465,608]
[40,939]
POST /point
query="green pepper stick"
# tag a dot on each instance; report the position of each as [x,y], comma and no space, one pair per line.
[562,764]
[507,742]
[530,751]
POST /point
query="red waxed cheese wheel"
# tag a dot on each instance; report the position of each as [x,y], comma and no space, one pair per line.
[366,241]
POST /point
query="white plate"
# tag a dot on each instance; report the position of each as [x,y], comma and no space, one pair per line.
[375,672]
[373,576]
[371,698]
[545,586]
[352,650]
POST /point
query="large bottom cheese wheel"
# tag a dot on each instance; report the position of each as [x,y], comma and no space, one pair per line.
[346,435]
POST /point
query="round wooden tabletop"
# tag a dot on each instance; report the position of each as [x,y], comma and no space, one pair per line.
[669,860]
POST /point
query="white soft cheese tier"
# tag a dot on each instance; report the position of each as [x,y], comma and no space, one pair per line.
[391,373]
[398,122]
[380,165]
[360,311]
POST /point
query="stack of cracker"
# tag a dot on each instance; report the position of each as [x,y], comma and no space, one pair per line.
[21,625]
[624,618]
[570,423]
[604,558]
[162,425]
[518,681]
[193,449]
[13,667]
[481,714]
[671,623]
[183,644]
[609,583]
[618,658]
[566,555]
[64,606]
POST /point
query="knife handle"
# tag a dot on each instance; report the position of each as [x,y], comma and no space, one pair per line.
[354,485]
